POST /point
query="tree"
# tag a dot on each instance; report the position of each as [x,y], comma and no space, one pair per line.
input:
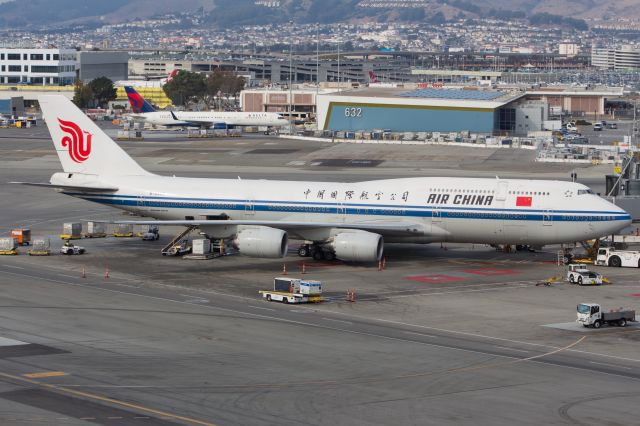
[82,94]
[103,91]
[222,84]
[185,87]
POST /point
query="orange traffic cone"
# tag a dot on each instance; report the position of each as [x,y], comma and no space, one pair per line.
[84,274]
[384,263]
[303,268]
[284,269]
[106,272]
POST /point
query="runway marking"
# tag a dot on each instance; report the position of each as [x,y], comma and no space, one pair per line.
[491,271]
[13,266]
[420,334]
[437,278]
[261,307]
[44,374]
[610,365]
[337,320]
[512,349]
[69,276]
[109,400]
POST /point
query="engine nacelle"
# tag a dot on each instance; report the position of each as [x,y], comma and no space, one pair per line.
[360,246]
[262,242]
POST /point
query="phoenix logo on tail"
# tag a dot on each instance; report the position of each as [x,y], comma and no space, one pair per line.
[79,148]
[373,78]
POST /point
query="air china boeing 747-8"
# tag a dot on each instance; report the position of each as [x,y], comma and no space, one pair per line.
[350,221]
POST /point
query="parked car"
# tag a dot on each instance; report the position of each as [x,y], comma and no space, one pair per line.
[597,127]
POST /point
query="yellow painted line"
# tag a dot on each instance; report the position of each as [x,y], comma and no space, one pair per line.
[45,374]
[114,401]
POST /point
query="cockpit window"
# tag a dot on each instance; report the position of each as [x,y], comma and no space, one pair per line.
[584,191]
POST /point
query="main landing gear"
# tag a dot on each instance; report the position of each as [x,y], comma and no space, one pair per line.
[316,251]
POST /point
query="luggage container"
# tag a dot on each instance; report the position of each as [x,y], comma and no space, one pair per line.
[71,231]
[96,230]
[201,246]
[22,236]
[40,247]
[124,230]
[8,246]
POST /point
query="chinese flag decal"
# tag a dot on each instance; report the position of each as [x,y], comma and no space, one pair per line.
[524,201]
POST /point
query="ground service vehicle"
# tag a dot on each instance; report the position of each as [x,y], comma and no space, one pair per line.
[609,256]
[578,274]
[597,127]
[294,290]
[591,314]
[69,248]
[22,236]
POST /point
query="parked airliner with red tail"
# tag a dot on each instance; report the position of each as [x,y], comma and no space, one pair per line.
[351,221]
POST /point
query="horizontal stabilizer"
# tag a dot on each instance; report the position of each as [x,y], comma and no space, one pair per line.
[84,188]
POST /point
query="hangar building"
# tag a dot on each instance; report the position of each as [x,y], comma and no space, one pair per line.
[431,110]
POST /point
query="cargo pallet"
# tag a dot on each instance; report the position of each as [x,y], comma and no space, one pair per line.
[126,235]
[70,237]
[39,253]
[8,252]
[96,235]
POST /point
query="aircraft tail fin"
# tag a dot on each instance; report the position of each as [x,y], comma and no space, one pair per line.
[82,146]
[138,103]
[372,77]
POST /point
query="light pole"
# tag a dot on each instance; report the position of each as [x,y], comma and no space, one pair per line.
[290,70]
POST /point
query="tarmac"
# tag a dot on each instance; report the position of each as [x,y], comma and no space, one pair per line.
[452,334]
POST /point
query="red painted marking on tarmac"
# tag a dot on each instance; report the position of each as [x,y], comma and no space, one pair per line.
[634,294]
[432,279]
[491,271]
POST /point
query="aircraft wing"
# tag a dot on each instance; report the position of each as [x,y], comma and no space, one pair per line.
[399,227]
[97,188]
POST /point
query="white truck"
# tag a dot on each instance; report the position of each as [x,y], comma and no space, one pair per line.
[609,256]
[579,274]
[294,290]
[592,315]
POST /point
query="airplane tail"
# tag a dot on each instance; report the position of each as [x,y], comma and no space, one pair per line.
[81,145]
[138,103]
[172,74]
[372,77]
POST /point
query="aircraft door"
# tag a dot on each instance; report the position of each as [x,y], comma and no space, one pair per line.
[547,219]
[501,192]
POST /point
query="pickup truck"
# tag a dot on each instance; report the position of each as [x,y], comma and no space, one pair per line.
[578,274]
[591,314]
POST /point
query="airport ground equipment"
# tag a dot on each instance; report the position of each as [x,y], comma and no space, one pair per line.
[152,234]
[609,256]
[294,290]
[579,274]
[96,230]
[179,248]
[8,246]
[592,315]
[22,236]
[124,231]
[171,249]
[69,248]
[40,247]
[71,231]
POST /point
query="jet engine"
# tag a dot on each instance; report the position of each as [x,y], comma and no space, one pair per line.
[262,242]
[359,246]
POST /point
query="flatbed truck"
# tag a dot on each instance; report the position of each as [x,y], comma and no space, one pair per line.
[592,315]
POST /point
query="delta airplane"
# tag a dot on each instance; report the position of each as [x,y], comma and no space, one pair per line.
[143,111]
[350,221]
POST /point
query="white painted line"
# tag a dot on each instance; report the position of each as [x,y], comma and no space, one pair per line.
[336,320]
[12,266]
[4,341]
[609,365]
[260,307]
[420,334]
[512,349]
[69,276]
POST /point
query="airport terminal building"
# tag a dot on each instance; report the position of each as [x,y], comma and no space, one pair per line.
[396,109]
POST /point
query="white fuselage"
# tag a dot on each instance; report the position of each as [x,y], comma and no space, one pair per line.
[210,118]
[490,211]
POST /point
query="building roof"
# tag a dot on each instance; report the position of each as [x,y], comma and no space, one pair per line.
[476,95]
